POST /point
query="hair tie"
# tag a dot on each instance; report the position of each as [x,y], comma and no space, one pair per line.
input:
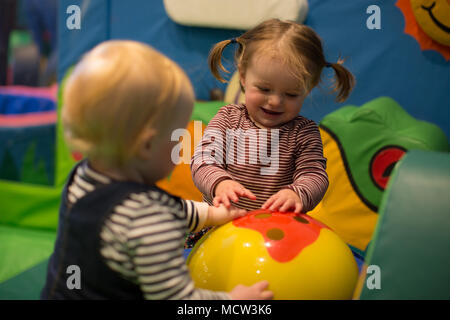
[233,40]
[327,65]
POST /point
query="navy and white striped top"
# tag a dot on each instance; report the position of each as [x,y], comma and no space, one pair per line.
[143,238]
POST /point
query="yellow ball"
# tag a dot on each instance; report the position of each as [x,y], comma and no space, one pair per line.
[300,257]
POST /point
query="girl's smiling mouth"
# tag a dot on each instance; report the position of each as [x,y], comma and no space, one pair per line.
[270,112]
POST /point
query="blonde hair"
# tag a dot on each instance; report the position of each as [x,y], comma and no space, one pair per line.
[117,90]
[297,45]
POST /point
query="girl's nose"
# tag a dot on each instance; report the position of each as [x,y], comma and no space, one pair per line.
[275,100]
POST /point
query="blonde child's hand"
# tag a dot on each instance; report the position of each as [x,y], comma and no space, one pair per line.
[220,215]
[230,190]
[283,200]
[254,292]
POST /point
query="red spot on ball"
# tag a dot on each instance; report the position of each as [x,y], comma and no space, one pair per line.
[285,234]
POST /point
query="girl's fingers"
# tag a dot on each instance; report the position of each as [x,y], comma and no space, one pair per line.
[226,201]
[223,199]
[238,190]
[268,202]
[278,202]
[298,207]
[217,201]
[287,205]
[243,192]
[232,196]
[248,194]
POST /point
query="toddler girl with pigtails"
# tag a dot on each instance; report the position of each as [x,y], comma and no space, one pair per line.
[279,63]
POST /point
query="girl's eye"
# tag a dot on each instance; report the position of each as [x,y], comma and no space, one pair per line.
[292,95]
[263,89]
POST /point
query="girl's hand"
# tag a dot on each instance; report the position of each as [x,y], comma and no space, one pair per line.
[283,200]
[254,292]
[230,190]
[220,215]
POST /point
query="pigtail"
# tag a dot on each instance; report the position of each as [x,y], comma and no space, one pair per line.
[344,80]
[215,58]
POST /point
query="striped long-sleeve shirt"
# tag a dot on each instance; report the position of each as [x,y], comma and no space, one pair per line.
[143,237]
[262,160]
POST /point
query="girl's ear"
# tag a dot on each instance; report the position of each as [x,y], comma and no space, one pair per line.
[145,144]
[242,80]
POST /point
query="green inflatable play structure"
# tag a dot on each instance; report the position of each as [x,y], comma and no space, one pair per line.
[408,257]
[363,144]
